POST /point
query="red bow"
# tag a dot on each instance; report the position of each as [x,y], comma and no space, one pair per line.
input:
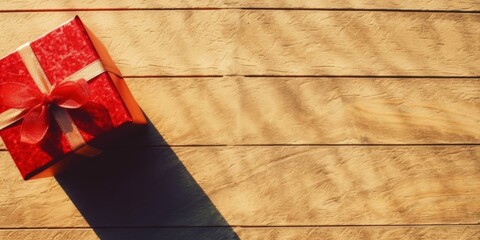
[66,94]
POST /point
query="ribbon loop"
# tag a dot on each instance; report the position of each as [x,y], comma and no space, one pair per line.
[19,95]
[35,124]
[70,94]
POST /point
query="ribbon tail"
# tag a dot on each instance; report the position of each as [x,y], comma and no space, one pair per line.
[35,125]
[70,94]
[74,138]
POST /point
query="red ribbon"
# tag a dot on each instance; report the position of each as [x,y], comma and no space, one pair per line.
[66,94]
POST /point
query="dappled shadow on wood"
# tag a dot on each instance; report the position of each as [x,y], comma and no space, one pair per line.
[144,191]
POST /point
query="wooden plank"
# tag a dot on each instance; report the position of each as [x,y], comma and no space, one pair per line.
[246,42]
[357,43]
[176,43]
[251,186]
[19,5]
[472,5]
[180,233]
[236,110]
[305,233]
[346,233]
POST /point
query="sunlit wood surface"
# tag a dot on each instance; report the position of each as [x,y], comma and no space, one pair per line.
[291,119]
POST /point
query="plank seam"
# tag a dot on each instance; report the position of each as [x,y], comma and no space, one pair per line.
[254,226]
[301,76]
[299,145]
[106,9]
[174,76]
[243,8]
[358,76]
[366,10]
[321,145]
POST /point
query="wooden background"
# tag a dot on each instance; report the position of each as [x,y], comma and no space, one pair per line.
[276,119]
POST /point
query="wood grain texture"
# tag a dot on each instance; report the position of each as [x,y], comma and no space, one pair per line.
[306,233]
[472,5]
[251,186]
[19,5]
[175,43]
[258,155]
[237,110]
[357,43]
[180,233]
[362,233]
[246,42]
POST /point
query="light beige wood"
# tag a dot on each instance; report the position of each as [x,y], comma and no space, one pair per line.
[304,233]
[272,187]
[253,186]
[470,5]
[358,43]
[343,185]
[175,43]
[245,42]
[362,233]
[123,233]
[236,110]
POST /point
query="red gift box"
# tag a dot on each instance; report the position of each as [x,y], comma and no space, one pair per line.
[66,81]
